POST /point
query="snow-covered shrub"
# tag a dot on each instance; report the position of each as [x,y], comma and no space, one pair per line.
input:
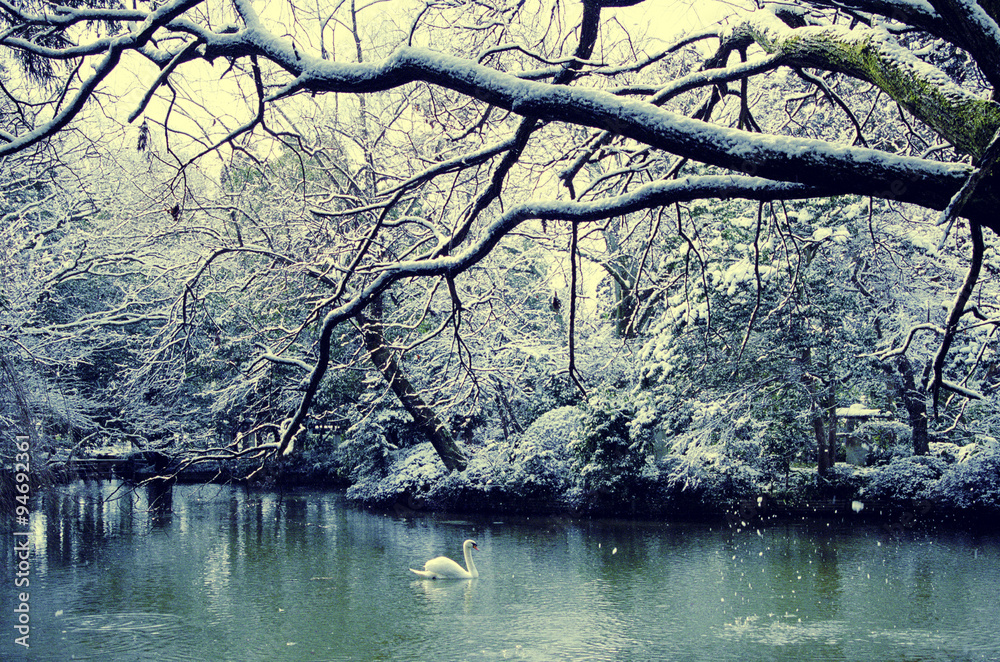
[369,445]
[948,451]
[706,474]
[476,488]
[497,481]
[552,431]
[887,440]
[607,460]
[973,481]
[309,466]
[537,462]
[532,471]
[841,481]
[410,476]
[904,478]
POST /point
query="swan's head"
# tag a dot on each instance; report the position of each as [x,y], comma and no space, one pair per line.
[472,544]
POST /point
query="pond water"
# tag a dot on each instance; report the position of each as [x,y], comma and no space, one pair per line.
[225,574]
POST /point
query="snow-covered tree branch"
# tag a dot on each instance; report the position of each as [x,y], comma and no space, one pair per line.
[312,169]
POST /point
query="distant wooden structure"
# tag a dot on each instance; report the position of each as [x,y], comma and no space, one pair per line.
[134,467]
[92,468]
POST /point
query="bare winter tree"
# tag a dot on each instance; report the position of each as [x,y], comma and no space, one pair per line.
[527,118]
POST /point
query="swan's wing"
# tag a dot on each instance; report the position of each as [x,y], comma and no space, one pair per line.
[444,567]
[424,574]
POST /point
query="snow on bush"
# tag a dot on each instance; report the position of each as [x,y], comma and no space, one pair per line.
[552,431]
[887,440]
[531,467]
[953,477]
[535,465]
[580,458]
[973,481]
[412,473]
[606,458]
[717,478]
[904,478]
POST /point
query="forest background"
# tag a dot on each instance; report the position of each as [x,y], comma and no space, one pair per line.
[529,255]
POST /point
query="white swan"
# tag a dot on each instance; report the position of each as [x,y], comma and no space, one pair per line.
[444,568]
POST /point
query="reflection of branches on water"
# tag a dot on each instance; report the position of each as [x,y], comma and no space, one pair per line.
[158,496]
[918,513]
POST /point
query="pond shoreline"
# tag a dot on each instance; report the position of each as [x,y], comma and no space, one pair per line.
[823,504]
[906,493]
[895,516]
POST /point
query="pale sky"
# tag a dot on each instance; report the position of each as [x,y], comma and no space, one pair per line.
[211,94]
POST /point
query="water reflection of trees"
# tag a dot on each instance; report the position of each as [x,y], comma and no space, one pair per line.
[306,564]
[77,517]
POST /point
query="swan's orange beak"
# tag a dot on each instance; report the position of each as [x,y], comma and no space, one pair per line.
[475,547]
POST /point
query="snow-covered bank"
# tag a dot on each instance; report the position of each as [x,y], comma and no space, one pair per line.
[957,484]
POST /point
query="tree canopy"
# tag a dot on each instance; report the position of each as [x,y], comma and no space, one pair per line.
[473,197]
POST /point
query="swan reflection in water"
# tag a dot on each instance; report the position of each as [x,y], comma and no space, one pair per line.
[445,597]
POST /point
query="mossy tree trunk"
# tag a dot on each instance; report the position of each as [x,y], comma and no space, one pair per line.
[633,304]
[961,117]
[821,385]
[823,389]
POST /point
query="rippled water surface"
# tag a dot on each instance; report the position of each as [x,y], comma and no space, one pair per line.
[224,574]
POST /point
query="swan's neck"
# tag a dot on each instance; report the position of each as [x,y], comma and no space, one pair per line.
[470,565]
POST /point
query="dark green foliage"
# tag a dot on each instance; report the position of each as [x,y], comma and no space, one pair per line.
[607,461]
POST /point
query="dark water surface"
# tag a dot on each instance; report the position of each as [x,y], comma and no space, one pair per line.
[224,574]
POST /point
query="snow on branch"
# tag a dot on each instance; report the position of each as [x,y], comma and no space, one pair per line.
[113,50]
[811,162]
[969,393]
[910,335]
[269,355]
[871,54]
[814,162]
[657,194]
[64,16]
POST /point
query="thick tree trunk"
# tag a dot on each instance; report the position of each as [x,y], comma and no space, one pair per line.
[824,412]
[423,416]
[825,427]
[915,401]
